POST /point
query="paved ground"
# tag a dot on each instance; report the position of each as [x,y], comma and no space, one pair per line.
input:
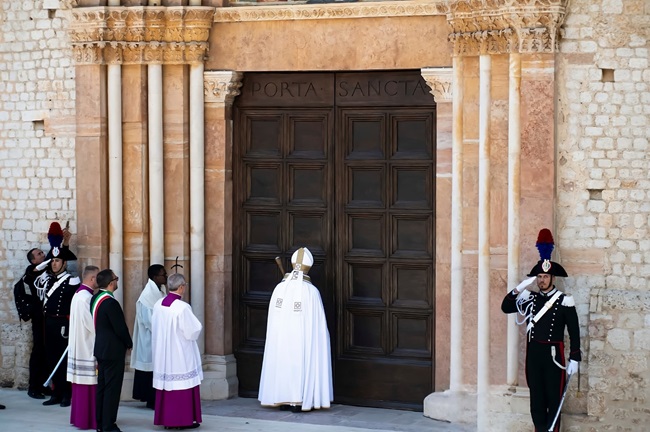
[235,415]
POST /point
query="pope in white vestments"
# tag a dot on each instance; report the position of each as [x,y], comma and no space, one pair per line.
[141,356]
[177,370]
[297,368]
[82,371]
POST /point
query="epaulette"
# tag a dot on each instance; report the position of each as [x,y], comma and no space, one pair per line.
[75,280]
[568,301]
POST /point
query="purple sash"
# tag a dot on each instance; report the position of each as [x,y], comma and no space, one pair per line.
[167,301]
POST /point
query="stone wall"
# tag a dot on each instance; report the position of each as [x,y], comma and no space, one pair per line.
[603,197]
[37,165]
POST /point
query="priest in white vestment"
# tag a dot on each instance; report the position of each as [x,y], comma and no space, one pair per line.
[141,356]
[177,370]
[82,371]
[297,368]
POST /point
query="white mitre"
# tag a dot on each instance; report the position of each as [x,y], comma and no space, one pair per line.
[302,260]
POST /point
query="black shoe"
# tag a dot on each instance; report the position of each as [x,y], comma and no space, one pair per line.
[2,406]
[296,409]
[285,407]
[65,402]
[113,429]
[192,426]
[35,394]
[52,401]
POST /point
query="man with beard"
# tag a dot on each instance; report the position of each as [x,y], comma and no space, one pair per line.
[547,313]
[141,356]
[36,278]
[59,290]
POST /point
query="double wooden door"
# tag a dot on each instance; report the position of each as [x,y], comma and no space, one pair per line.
[344,164]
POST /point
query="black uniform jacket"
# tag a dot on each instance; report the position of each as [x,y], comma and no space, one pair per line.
[550,328]
[58,302]
[112,337]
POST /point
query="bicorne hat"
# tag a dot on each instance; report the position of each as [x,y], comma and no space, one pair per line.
[545,247]
[58,250]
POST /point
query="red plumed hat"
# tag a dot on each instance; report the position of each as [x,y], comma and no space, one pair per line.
[545,246]
[58,250]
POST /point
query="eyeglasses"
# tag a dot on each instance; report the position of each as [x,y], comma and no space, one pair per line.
[115,279]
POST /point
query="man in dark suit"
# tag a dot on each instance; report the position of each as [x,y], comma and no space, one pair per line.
[112,339]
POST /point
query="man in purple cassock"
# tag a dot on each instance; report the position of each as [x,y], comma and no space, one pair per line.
[177,370]
[82,371]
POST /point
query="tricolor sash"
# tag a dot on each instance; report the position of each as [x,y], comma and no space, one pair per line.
[104,295]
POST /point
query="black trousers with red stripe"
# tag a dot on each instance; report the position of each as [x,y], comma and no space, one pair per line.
[546,382]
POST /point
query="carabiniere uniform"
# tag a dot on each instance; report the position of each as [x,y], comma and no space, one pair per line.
[59,291]
[545,362]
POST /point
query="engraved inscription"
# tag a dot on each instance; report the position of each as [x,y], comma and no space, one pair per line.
[372,88]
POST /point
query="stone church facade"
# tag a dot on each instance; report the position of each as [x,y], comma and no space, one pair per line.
[416,147]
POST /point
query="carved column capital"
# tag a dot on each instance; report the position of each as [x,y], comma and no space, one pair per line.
[500,26]
[141,35]
[221,87]
[439,79]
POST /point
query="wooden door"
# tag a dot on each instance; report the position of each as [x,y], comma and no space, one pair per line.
[344,164]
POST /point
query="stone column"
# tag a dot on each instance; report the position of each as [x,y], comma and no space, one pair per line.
[91,154]
[115,199]
[136,208]
[221,87]
[514,199]
[484,186]
[440,82]
[176,165]
[197,195]
[156,166]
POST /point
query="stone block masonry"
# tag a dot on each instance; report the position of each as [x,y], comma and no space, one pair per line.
[603,198]
[37,165]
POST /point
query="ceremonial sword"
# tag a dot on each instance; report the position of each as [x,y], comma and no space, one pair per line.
[559,408]
[47,383]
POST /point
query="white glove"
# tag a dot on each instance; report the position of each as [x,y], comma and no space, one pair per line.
[42,265]
[572,367]
[525,284]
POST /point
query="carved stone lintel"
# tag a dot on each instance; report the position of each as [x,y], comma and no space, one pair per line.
[221,87]
[128,35]
[500,26]
[345,10]
[439,79]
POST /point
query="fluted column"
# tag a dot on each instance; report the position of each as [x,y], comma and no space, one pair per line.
[221,88]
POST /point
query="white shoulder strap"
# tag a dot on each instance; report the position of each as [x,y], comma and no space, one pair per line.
[548,305]
[56,285]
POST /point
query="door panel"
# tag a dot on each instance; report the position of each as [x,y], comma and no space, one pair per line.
[282,164]
[343,164]
[385,235]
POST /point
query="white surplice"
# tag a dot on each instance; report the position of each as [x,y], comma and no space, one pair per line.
[81,361]
[141,356]
[176,356]
[297,366]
